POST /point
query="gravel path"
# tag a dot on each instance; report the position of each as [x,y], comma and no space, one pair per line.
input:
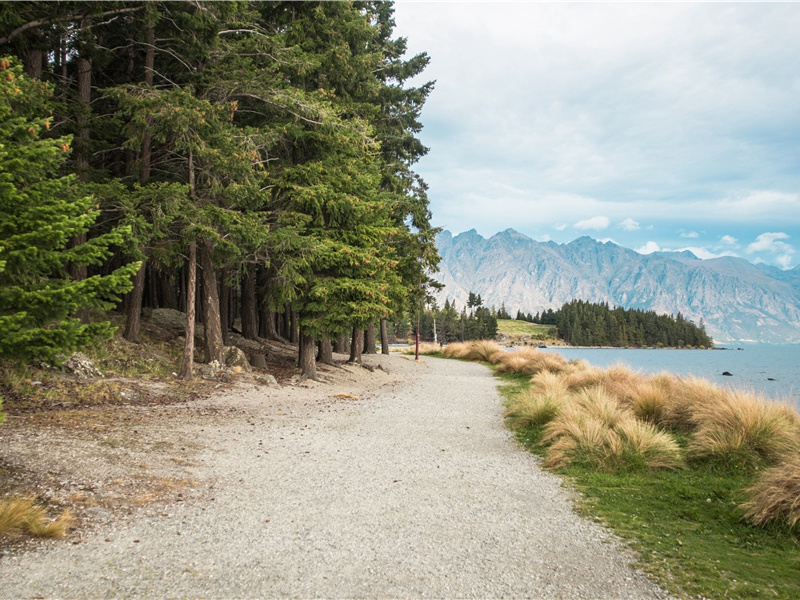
[413,489]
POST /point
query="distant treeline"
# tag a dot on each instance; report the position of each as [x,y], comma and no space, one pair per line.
[448,324]
[581,323]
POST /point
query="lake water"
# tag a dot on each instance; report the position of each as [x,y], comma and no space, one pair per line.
[771,370]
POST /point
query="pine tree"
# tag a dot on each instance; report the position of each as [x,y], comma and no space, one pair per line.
[39,214]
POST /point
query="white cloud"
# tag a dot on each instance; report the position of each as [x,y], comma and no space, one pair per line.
[770,242]
[690,235]
[728,239]
[629,224]
[597,223]
[607,240]
[561,227]
[705,253]
[785,261]
[649,248]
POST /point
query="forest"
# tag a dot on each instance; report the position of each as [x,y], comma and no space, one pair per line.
[242,162]
[447,324]
[581,323]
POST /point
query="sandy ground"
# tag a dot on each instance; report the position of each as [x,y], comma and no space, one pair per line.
[400,482]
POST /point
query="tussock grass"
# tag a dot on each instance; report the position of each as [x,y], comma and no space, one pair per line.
[642,445]
[19,516]
[424,348]
[592,429]
[538,405]
[738,429]
[649,402]
[775,497]
[456,350]
[480,350]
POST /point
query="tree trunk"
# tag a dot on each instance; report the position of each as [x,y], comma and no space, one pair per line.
[166,291]
[211,313]
[225,308]
[294,334]
[341,343]
[33,63]
[149,63]
[355,345]
[369,340]
[308,363]
[287,322]
[249,315]
[188,344]
[384,337]
[325,351]
[133,306]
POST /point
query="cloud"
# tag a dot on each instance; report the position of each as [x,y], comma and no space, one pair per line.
[728,239]
[649,248]
[561,227]
[597,223]
[785,261]
[770,242]
[705,253]
[690,235]
[629,225]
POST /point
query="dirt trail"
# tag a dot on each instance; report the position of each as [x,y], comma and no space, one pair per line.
[412,488]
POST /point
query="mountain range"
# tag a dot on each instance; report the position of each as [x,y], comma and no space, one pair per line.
[736,300]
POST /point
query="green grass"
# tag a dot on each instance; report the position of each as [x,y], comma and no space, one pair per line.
[685,525]
[514,327]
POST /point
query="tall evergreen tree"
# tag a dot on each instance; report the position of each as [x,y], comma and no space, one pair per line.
[40,213]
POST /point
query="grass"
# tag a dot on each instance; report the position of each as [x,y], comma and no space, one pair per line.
[23,516]
[723,523]
[513,327]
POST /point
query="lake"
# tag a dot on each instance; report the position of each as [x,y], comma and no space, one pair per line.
[754,367]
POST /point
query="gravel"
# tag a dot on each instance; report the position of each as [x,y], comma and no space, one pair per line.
[414,488]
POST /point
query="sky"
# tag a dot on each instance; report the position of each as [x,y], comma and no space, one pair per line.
[658,126]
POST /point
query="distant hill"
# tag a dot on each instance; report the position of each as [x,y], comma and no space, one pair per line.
[737,300]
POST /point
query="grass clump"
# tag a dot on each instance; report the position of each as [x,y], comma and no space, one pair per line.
[20,516]
[775,497]
[538,405]
[426,348]
[479,350]
[742,430]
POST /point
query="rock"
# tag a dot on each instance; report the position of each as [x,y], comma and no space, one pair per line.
[727,374]
[266,379]
[235,357]
[79,365]
[211,370]
[169,318]
[130,395]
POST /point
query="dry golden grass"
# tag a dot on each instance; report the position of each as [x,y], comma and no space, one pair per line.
[620,382]
[686,396]
[480,350]
[424,348]
[742,429]
[539,404]
[579,379]
[648,400]
[642,444]
[456,350]
[20,516]
[775,497]
[581,438]
[485,351]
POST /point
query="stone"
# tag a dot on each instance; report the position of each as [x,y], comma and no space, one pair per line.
[235,357]
[266,379]
[169,318]
[79,365]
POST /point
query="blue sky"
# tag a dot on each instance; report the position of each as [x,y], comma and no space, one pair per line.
[657,126]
